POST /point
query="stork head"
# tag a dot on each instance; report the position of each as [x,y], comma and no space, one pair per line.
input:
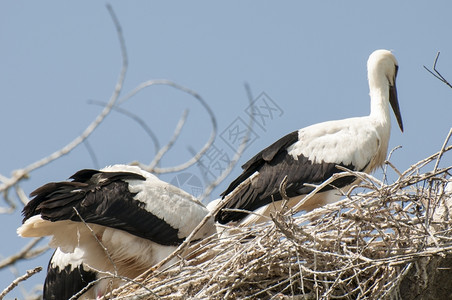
[382,70]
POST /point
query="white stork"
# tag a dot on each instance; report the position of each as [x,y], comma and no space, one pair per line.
[136,216]
[310,155]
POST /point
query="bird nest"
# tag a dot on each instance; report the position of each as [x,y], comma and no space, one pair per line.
[373,245]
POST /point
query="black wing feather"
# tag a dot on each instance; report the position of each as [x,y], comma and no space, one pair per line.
[273,164]
[261,158]
[62,284]
[101,198]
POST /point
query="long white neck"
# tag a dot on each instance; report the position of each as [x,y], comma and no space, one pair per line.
[379,101]
[379,107]
[379,114]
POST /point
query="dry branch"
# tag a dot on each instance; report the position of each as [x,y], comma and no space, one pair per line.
[436,73]
[152,166]
[26,253]
[18,280]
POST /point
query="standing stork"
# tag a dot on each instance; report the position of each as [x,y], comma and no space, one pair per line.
[311,155]
[138,218]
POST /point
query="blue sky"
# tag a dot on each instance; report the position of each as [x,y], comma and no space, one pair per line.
[309,58]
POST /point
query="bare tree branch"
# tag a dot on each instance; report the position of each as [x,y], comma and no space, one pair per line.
[237,155]
[91,153]
[21,194]
[137,119]
[168,146]
[388,163]
[436,73]
[18,280]
[441,152]
[23,173]
[11,205]
[213,120]
[24,253]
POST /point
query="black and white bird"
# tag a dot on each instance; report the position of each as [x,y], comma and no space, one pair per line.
[310,155]
[138,218]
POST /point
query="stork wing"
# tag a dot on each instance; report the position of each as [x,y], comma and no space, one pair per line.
[101,198]
[310,157]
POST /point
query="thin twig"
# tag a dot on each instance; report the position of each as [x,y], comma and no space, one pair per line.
[163,150]
[105,249]
[19,280]
[208,190]
[91,153]
[436,73]
[11,204]
[388,162]
[137,119]
[21,194]
[24,253]
[209,142]
[441,152]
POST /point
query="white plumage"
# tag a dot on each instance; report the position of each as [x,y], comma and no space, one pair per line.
[310,155]
[136,216]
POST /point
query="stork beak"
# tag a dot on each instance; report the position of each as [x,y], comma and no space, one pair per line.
[395,104]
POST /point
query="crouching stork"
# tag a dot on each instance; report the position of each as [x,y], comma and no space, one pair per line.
[310,156]
[138,218]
